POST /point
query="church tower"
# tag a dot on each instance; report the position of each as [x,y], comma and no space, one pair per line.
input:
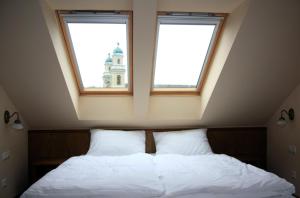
[107,78]
[114,74]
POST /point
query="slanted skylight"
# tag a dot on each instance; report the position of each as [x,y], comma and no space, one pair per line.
[99,47]
[185,44]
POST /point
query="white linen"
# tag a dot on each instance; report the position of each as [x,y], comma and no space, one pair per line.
[160,176]
[131,176]
[217,176]
[116,142]
[237,195]
[185,142]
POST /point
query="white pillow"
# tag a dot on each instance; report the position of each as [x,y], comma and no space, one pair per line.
[186,142]
[116,142]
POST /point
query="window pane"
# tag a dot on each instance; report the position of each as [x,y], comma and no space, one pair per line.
[101,54]
[181,52]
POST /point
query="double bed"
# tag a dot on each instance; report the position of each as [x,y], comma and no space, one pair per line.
[161,175]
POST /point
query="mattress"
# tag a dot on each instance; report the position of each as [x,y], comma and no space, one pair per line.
[161,176]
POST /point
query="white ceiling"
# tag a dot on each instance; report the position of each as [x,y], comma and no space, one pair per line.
[260,69]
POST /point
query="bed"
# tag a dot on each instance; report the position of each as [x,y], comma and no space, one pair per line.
[141,175]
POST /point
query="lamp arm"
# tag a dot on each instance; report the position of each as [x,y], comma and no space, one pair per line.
[14,113]
[290,113]
[284,111]
[8,116]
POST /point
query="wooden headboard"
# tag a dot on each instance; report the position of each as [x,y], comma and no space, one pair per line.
[48,148]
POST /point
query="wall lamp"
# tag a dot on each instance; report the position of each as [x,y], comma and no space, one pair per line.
[17,124]
[291,115]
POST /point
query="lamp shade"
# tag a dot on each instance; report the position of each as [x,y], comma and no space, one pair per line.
[281,122]
[17,124]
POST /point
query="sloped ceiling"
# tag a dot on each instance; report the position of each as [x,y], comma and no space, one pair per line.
[260,69]
[263,66]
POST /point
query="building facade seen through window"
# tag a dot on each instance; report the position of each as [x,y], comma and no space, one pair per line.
[114,73]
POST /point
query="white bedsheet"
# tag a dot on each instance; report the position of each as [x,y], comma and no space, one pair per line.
[131,176]
[217,176]
[163,176]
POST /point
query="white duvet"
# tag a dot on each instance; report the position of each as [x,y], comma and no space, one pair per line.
[144,175]
[217,176]
[131,176]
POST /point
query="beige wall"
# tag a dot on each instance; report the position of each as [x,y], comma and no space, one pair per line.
[279,159]
[14,168]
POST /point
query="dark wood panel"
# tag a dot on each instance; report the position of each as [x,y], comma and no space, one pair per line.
[150,143]
[60,144]
[49,148]
[246,144]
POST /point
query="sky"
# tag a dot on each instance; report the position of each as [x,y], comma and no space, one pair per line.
[92,43]
[180,54]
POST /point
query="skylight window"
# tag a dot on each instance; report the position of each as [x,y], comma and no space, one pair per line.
[185,44]
[99,45]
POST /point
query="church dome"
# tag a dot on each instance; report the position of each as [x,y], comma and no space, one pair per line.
[109,59]
[118,50]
